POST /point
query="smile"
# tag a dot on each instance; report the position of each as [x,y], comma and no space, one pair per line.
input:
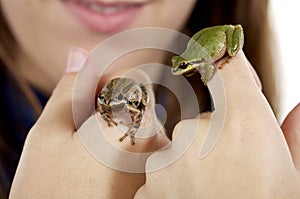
[104,17]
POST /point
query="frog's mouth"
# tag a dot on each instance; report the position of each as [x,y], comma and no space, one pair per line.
[118,107]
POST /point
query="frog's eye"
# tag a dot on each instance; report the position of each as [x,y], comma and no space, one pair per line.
[100,96]
[120,97]
[183,65]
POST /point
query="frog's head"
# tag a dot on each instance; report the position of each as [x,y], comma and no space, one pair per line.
[182,67]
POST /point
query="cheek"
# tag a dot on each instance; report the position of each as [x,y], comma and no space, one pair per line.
[45,33]
[32,25]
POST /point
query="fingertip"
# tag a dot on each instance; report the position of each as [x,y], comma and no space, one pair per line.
[292,120]
[291,131]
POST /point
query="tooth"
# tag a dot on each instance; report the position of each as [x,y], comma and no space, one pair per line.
[95,7]
[104,9]
[110,10]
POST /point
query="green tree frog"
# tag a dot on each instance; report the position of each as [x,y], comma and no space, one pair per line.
[207,47]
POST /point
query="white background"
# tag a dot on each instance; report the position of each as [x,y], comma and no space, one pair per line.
[285,21]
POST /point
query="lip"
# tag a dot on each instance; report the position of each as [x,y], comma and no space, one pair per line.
[102,16]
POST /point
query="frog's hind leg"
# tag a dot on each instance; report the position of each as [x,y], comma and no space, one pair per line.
[132,131]
[132,134]
[223,61]
[235,40]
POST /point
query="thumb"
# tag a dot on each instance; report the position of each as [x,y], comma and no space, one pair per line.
[58,110]
[291,131]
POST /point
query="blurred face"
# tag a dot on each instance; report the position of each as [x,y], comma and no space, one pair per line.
[47,29]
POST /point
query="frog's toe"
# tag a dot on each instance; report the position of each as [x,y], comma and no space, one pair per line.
[132,140]
[123,137]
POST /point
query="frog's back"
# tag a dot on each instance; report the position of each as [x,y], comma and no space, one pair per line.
[206,42]
[117,86]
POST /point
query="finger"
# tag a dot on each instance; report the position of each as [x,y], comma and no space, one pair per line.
[218,90]
[247,115]
[249,122]
[246,106]
[58,110]
[242,85]
[238,101]
[291,131]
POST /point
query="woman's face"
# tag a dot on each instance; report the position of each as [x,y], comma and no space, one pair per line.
[47,29]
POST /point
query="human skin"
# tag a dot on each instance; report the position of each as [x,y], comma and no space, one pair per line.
[46,30]
[252,158]
[55,163]
[47,170]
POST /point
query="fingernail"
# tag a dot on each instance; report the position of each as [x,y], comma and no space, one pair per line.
[76,59]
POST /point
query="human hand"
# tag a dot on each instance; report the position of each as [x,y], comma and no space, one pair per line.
[54,162]
[253,158]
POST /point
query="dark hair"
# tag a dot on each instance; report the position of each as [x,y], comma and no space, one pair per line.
[19,108]
[252,15]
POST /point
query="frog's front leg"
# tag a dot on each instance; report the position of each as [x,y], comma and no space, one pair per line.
[136,117]
[235,39]
[107,115]
[206,71]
